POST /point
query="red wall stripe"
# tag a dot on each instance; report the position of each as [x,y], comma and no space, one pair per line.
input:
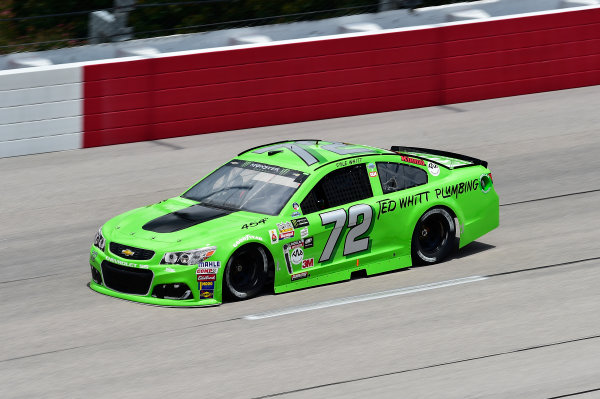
[284,83]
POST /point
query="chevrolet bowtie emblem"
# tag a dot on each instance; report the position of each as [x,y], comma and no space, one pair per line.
[127,252]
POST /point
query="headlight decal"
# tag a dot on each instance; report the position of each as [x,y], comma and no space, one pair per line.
[191,257]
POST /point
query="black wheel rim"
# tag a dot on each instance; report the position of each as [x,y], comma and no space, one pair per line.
[433,234]
[245,271]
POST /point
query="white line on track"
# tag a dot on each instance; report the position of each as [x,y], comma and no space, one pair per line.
[365,297]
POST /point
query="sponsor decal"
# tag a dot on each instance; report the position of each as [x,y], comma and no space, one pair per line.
[390,205]
[216,264]
[296,244]
[246,238]
[206,277]
[348,162]
[286,230]
[206,294]
[274,237]
[206,285]
[457,189]
[296,206]
[433,169]
[93,255]
[304,232]
[306,263]
[254,224]
[416,161]
[301,222]
[296,213]
[372,170]
[299,276]
[207,270]
[308,242]
[297,256]
[123,263]
[169,270]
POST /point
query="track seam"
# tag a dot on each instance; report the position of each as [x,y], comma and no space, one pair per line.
[551,197]
[432,366]
[575,393]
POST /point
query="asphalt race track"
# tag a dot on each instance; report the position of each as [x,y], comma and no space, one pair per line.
[521,321]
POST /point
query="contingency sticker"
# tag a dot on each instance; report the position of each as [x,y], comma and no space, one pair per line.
[372,170]
[274,237]
[286,230]
[433,168]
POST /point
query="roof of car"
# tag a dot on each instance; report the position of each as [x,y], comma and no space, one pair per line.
[307,155]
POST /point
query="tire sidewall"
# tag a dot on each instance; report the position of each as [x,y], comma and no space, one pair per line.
[447,246]
[229,290]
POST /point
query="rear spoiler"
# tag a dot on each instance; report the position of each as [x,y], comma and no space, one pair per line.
[429,151]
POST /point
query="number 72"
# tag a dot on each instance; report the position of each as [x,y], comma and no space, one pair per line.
[352,244]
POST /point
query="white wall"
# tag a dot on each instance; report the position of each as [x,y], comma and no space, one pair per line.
[40,110]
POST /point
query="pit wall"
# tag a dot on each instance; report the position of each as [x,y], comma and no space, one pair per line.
[169,95]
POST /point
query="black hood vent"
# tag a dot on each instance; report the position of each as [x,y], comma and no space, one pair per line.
[184,219]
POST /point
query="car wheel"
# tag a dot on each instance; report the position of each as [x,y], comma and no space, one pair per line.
[434,237]
[245,273]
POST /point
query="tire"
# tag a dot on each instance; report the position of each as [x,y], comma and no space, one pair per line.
[245,273]
[434,237]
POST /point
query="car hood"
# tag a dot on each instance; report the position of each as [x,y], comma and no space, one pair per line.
[182,221]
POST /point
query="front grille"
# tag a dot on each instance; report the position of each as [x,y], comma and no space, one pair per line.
[138,253]
[126,279]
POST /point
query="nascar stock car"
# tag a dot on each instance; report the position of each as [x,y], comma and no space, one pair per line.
[291,215]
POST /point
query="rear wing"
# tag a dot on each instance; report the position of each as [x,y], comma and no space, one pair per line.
[449,160]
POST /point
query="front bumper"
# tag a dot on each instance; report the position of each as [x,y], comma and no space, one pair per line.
[154,275]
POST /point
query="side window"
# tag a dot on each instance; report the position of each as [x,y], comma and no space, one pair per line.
[339,187]
[396,176]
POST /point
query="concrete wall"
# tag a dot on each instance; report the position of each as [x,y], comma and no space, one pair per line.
[40,110]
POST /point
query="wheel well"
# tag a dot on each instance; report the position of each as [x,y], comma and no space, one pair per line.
[446,208]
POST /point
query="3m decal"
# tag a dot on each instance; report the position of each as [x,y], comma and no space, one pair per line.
[299,276]
[254,224]
[297,256]
[416,161]
[457,189]
[357,226]
[308,242]
[274,236]
[433,169]
[304,232]
[306,263]
[246,238]
[301,222]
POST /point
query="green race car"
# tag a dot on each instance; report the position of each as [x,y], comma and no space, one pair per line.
[295,214]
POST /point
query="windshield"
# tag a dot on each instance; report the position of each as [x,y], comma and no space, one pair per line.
[247,186]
